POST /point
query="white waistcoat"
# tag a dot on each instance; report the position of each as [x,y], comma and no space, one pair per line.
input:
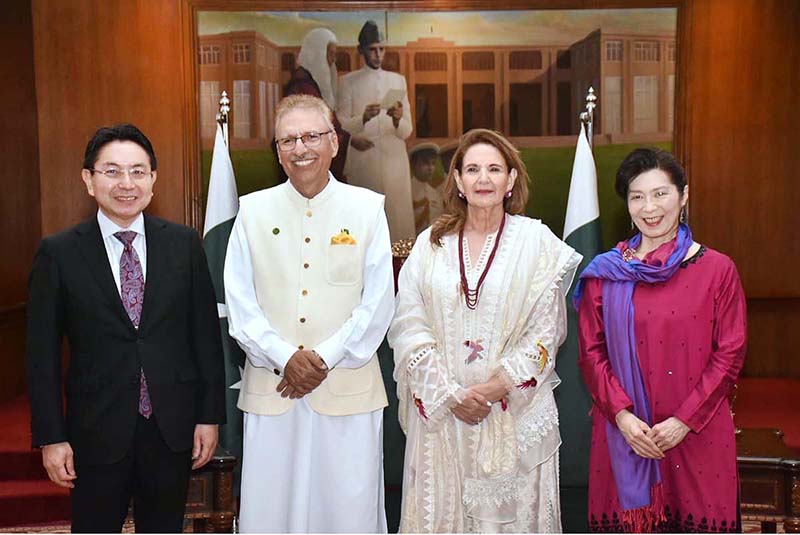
[307,288]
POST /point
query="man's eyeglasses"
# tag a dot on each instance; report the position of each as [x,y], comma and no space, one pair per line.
[115,173]
[311,139]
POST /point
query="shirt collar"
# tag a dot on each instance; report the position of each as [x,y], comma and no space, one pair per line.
[108,227]
[298,198]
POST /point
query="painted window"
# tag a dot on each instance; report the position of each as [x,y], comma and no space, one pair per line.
[645,104]
[241,109]
[613,50]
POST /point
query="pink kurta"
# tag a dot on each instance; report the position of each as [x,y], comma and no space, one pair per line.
[691,341]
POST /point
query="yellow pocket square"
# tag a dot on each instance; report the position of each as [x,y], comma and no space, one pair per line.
[343,238]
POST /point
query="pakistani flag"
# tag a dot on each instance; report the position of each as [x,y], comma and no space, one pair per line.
[221,210]
[582,232]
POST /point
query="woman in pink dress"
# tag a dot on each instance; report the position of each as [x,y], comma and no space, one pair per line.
[662,338]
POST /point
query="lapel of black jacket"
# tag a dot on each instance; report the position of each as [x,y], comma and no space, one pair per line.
[157,260]
[90,243]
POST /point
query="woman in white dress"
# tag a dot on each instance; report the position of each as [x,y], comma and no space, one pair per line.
[480,315]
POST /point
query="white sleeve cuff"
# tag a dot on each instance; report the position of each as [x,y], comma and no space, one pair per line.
[281,353]
[331,351]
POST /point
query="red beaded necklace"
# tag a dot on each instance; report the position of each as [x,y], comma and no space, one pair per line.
[470,295]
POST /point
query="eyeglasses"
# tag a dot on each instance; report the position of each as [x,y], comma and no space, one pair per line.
[311,139]
[117,174]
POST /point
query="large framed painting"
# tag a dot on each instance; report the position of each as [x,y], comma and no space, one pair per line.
[522,72]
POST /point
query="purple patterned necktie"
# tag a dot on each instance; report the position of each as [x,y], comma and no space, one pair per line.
[131,279]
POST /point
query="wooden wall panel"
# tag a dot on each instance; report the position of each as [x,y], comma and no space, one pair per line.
[741,80]
[19,175]
[741,144]
[100,62]
[12,351]
[774,335]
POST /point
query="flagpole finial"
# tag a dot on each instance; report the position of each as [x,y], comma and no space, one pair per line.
[587,117]
[222,116]
[591,103]
[224,108]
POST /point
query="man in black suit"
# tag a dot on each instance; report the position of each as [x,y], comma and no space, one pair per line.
[145,385]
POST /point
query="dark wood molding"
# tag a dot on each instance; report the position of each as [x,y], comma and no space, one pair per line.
[681,132]
[423,5]
[193,202]
[12,314]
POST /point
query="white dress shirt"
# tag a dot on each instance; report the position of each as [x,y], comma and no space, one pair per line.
[114,247]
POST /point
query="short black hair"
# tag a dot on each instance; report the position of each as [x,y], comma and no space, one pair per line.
[119,132]
[644,159]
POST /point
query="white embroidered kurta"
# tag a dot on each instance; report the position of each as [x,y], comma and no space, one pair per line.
[500,475]
[305,472]
[383,168]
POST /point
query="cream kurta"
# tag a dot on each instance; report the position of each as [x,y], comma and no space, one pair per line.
[383,168]
[305,470]
[500,475]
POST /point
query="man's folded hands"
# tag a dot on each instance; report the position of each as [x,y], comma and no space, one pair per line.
[304,372]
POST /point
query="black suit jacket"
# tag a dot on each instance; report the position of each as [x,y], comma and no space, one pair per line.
[73,295]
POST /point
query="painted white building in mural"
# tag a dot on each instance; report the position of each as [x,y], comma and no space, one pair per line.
[531,93]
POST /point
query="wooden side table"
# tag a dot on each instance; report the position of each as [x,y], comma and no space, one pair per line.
[209,503]
[769,476]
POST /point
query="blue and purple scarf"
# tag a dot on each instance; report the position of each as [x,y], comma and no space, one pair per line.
[637,478]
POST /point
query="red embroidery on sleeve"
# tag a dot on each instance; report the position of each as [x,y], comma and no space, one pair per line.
[420,407]
[530,383]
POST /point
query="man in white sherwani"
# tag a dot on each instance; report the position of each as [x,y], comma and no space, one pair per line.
[309,289]
[382,163]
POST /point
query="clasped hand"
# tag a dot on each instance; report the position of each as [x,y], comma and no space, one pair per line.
[650,442]
[477,404]
[473,408]
[303,373]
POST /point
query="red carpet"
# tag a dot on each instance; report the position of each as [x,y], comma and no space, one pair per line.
[769,403]
[26,495]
